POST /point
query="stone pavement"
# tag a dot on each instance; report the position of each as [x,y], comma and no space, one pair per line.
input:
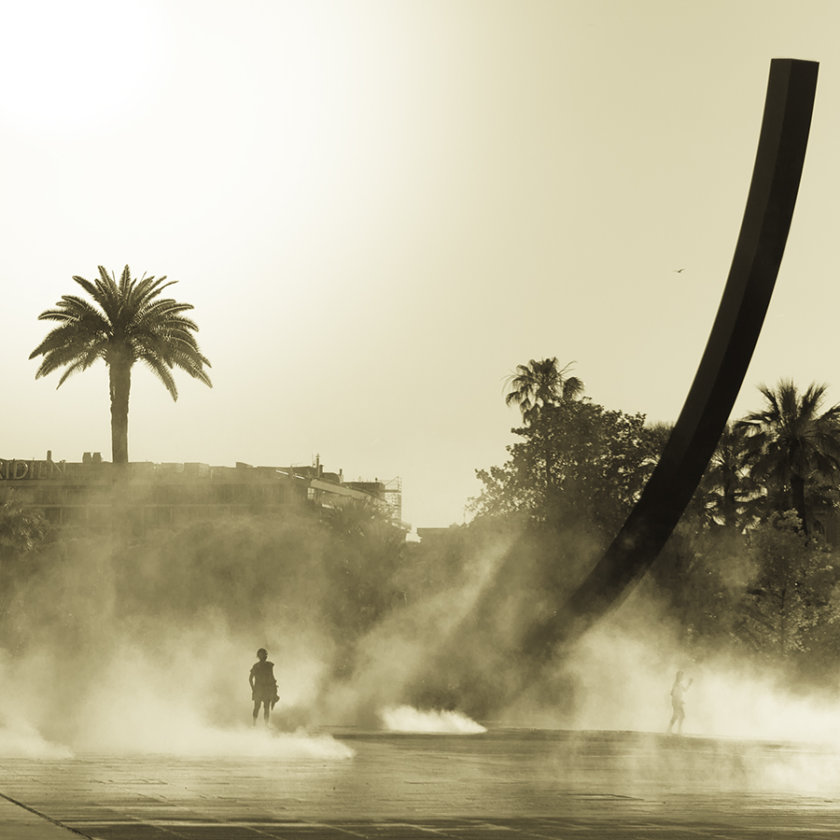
[19,823]
[504,785]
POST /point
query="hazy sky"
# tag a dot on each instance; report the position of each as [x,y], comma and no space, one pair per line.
[379,208]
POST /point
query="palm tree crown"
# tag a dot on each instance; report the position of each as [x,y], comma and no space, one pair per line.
[127,322]
[791,445]
[541,383]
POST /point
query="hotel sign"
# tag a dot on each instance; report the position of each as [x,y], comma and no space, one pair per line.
[15,470]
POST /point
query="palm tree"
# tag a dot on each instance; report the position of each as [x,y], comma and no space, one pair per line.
[536,386]
[127,322]
[541,383]
[728,494]
[791,446]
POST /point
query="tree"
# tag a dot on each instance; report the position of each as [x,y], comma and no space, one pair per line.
[576,463]
[127,322]
[792,447]
[541,383]
[701,575]
[23,533]
[792,593]
[728,495]
[22,529]
[538,387]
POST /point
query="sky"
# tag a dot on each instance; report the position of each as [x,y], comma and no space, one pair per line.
[378,208]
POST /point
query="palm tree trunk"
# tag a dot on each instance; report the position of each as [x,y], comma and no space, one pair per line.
[548,481]
[797,487]
[119,376]
[783,642]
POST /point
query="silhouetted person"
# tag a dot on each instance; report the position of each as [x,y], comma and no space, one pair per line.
[263,685]
[678,691]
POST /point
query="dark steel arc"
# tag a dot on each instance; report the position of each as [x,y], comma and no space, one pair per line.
[755,265]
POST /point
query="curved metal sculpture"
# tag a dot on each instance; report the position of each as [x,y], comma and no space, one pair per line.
[775,182]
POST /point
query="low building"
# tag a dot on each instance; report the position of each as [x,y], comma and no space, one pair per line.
[87,494]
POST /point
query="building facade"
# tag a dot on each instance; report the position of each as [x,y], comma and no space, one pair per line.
[90,493]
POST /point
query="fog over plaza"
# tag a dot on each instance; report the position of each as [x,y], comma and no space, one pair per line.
[139,648]
[378,209]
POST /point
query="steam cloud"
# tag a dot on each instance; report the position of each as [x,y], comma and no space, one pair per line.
[145,646]
[409,719]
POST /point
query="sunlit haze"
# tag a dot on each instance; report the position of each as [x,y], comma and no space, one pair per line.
[378,209]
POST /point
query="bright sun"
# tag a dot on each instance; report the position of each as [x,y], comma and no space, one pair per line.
[70,65]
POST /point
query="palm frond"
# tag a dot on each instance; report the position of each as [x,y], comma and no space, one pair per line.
[81,363]
[91,288]
[162,372]
[539,384]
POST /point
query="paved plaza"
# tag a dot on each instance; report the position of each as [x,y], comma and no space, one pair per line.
[502,785]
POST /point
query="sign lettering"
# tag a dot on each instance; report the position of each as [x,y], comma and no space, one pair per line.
[14,470]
